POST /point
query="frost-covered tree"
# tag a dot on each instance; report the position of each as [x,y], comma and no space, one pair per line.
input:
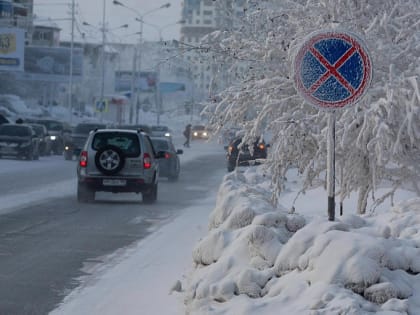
[378,140]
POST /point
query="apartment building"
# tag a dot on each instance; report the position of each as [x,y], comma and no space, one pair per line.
[201,18]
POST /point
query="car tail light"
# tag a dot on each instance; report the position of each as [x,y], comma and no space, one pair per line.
[147,161]
[83,159]
[167,155]
[261,146]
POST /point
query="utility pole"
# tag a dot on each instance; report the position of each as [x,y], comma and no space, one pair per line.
[139,68]
[133,97]
[70,98]
[103,59]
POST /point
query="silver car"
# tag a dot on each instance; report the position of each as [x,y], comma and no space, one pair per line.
[117,160]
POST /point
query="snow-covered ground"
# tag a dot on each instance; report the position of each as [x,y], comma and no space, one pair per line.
[260,259]
[235,253]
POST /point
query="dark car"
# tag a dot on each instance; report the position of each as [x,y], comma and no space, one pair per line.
[59,132]
[169,166]
[160,131]
[19,140]
[239,154]
[145,128]
[199,132]
[73,146]
[44,139]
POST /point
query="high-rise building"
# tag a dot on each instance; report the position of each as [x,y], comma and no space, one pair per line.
[201,18]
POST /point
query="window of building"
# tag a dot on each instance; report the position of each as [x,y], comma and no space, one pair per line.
[207,22]
[207,12]
[42,35]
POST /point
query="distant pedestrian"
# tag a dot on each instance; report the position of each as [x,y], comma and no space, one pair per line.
[187,135]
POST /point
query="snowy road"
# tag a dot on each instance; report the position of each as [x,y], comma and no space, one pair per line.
[47,237]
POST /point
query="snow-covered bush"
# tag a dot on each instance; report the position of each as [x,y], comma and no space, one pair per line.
[354,265]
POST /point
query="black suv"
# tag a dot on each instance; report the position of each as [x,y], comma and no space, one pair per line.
[73,146]
[240,154]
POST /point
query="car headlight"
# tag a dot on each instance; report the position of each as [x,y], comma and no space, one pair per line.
[195,133]
[167,134]
[53,138]
[205,134]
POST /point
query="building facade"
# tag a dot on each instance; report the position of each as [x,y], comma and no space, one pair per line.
[46,35]
[203,17]
[17,13]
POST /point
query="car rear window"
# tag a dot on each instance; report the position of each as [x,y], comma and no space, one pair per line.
[39,130]
[127,142]
[52,125]
[160,128]
[17,131]
[160,145]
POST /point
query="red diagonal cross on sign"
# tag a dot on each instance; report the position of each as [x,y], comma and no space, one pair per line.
[332,69]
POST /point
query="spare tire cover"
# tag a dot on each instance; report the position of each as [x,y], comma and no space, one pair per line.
[109,160]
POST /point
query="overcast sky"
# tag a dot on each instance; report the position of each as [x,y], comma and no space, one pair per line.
[90,11]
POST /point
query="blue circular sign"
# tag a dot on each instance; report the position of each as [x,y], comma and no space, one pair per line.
[332,69]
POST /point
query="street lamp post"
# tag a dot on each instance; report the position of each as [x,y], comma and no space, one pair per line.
[103,56]
[70,96]
[137,70]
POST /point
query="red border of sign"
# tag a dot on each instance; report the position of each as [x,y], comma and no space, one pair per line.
[367,75]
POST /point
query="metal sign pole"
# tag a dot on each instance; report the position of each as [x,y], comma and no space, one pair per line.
[331,166]
[332,70]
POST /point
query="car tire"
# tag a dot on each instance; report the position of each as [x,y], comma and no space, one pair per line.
[68,155]
[47,151]
[85,194]
[150,196]
[230,167]
[116,162]
[30,155]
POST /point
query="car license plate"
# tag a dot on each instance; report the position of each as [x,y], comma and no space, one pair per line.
[114,182]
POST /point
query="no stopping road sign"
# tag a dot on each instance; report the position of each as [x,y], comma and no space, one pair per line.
[332,69]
